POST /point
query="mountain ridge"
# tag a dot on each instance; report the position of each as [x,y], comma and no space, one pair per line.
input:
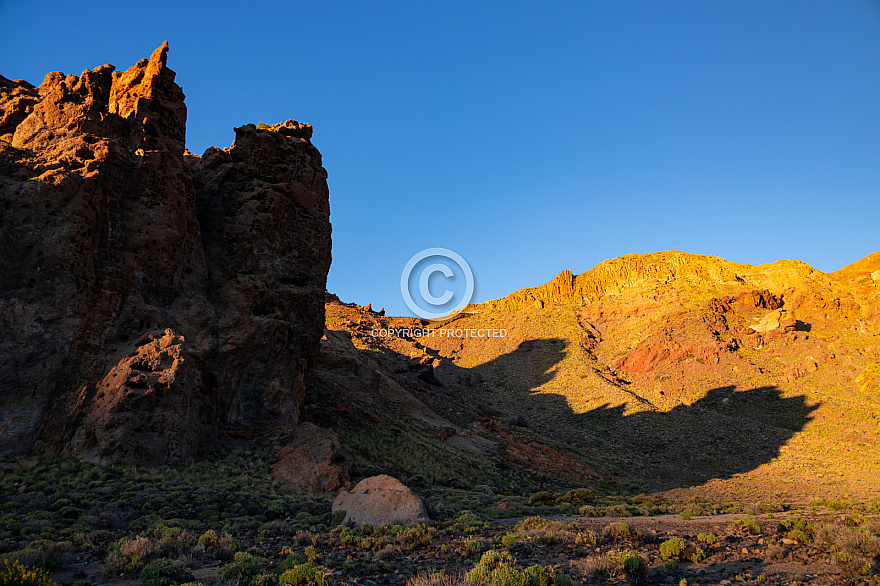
[615,275]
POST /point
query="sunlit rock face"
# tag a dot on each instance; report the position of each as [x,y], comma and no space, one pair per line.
[151,300]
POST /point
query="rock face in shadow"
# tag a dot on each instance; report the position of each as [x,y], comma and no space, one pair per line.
[314,460]
[150,299]
[156,386]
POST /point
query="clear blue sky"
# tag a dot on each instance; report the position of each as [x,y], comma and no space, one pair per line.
[528,137]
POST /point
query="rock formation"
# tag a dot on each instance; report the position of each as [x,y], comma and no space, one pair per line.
[380,500]
[314,460]
[150,299]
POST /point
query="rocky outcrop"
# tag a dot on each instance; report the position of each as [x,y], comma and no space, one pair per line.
[649,355]
[157,388]
[526,451]
[380,500]
[151,299]
[314,460]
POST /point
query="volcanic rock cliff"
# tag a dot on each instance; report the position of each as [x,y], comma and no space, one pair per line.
[151,300]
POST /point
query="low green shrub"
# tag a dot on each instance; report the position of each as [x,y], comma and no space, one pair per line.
[496,568]
[211,540]
[165,572]
[539,576]
[541,498]
[530,524]
[307,573]
[620,531]
[707,538]
[588,538]
[468,519]
[415,537]
[631,565]
[672,548]
[244,568]
[289,562]
[589,511]
[577,497]
[799,536]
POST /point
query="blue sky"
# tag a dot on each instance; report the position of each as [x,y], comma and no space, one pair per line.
[529,138]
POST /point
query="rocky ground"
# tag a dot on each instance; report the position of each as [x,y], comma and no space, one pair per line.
[225,519]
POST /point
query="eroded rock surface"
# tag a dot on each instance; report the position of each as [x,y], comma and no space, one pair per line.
[119,249]
[314,460]
[157,388]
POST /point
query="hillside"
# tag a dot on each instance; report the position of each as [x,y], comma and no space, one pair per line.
[668,371]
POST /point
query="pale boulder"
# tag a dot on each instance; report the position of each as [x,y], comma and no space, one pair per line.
[380,500]
[769,322]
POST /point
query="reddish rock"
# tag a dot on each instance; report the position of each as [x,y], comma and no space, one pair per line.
[380,500]
[788,323]
[314,460]
[763,299]
[648,356]
[146,409]
[110,233]
[18,101]
[448,433]
[526,451]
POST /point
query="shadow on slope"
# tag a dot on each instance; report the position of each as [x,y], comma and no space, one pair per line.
[407,407]
[724,433]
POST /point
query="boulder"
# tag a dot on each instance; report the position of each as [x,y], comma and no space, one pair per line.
[314,460]
[380,500]
[769,322]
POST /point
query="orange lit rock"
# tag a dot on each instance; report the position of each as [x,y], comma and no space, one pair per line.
[113,233]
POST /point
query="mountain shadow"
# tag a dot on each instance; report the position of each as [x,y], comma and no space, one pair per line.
[725,432]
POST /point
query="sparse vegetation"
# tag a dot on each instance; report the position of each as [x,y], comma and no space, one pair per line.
[707,538]
[631,565]
[498,569]
[750,526]
[177,523]
[853,550]
[165,572]
[17,574]
[620,532]
[307,573]
[672,548]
